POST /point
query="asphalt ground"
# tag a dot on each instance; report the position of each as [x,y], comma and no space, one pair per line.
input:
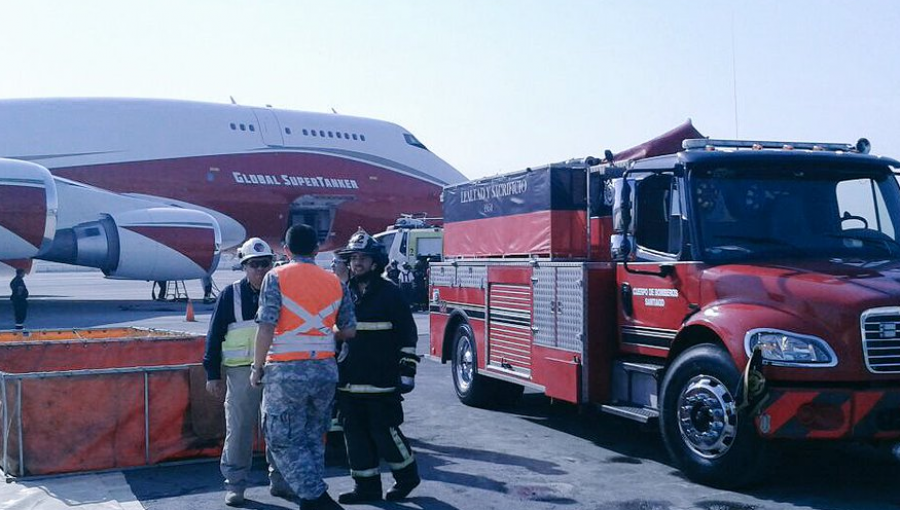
[539,454]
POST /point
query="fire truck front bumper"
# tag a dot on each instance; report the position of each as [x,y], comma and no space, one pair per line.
[830,414]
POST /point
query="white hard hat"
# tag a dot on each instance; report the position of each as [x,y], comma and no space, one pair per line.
[254,248]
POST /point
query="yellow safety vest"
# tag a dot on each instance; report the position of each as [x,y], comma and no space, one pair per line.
[240,340]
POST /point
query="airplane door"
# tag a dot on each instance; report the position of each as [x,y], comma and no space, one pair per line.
[269,128]
[317,212]
[318,219]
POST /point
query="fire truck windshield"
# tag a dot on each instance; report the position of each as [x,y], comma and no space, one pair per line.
[813,211]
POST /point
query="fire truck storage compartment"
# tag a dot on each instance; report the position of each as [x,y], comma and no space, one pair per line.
[559,328]
[536,212]
[535,323]
[95,399]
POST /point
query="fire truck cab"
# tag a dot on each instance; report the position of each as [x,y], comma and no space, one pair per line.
[736,292]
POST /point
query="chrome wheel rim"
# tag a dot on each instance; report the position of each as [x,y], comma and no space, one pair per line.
[465,367]
[707,416]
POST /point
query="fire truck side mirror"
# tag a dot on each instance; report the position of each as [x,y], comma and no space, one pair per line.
[620,241]
[619,247]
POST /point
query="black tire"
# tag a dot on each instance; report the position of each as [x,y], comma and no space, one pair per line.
[472,388]
[712,442]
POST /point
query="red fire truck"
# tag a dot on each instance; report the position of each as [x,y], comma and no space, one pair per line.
[736,292]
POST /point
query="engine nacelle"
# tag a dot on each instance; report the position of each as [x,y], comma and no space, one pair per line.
[165,243]
[28,206]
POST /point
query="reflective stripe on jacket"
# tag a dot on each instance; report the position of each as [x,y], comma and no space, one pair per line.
[310,298]
[240,340]
[374,326]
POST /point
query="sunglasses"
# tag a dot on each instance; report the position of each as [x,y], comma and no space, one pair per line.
[259,264]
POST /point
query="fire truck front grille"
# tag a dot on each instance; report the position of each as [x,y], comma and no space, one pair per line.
[881,339]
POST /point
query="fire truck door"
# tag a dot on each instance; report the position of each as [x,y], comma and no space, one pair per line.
[652,295]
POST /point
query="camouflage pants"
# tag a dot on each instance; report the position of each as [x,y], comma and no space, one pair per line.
[297,402]
[242,406]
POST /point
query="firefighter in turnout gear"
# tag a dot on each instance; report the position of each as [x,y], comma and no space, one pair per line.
[229,349]
[376,366]
[303,310]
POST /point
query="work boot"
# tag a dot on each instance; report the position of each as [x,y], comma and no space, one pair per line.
[364,490]
[406,480]
[234,497]
[279,487]
[323,502]
[281,491]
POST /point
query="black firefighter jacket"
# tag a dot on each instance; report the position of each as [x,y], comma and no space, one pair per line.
[384,329]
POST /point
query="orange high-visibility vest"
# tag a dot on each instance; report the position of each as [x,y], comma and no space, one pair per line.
[310,298]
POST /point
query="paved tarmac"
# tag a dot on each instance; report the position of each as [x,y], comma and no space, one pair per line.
[537,455]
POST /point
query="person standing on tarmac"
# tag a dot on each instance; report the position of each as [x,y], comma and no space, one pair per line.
[393,272]
[375,368]
[19,298]
[230,348]
[406,283]
[300,307]
[420,284]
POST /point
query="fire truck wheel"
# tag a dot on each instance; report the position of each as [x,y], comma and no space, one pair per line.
[472,388]
[706,435]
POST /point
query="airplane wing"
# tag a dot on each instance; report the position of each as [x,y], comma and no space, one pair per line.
[50,218]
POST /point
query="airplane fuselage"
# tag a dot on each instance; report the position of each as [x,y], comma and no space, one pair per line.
[255,171]
[122,169]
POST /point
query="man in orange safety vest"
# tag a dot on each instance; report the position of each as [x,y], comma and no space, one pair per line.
[303,310]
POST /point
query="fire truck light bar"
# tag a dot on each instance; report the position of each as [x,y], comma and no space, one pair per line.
[862,146]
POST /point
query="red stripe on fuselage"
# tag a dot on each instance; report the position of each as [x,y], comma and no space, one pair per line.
[196,244]
[264,208]
[23,211]
[23,264]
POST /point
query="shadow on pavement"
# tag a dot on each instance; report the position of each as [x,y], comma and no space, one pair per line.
[819,475]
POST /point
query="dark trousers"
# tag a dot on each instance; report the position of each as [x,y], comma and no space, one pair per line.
[20,310]
[372,432]
[407,290]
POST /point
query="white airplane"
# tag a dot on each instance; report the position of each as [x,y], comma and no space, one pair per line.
[155,189]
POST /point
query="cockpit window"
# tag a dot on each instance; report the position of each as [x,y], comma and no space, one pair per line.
[410,139]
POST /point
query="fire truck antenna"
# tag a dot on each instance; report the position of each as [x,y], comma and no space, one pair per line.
[734,77]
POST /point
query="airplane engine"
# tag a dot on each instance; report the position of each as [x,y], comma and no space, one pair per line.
[28,206]
[165,243]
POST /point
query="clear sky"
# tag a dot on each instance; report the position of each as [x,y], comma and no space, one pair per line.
[492,85]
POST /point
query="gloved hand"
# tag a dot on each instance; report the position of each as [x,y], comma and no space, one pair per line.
[408,365]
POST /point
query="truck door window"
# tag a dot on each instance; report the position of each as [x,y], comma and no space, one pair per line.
[862,206]
[403,243]
[387,240]
[653,212]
